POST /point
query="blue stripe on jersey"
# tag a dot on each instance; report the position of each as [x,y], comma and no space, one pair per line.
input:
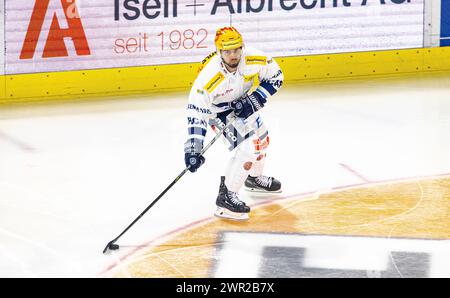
[268,87]
[261,93]
[197,131]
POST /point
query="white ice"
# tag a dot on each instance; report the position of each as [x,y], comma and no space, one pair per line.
[74,175]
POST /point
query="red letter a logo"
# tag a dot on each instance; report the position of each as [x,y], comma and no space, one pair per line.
[55,45]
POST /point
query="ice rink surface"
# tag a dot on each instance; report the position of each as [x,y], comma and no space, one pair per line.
[365,168]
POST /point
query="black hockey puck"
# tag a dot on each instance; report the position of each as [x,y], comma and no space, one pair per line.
[114,246]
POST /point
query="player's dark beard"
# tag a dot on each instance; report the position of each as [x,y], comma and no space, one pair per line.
[235,65]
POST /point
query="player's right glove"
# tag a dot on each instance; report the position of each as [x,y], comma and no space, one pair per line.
[193,161]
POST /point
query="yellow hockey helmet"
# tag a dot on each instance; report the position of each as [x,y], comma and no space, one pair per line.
[228,38]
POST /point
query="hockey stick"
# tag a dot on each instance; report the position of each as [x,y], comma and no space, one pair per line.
[111,245]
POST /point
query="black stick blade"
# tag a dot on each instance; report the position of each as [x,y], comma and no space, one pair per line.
[111,246]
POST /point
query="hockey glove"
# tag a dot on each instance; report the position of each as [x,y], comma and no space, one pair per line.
[245,106]
[193,161]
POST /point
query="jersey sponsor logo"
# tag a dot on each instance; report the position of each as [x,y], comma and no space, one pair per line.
[277,74]
[228,91]
[214,82]
[274,83]
[195,121]
[206,61]
[254,60]
[55,44]
[200,110]
[227,132]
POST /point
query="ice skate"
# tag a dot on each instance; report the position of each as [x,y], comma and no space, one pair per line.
[263,184]
[228,204]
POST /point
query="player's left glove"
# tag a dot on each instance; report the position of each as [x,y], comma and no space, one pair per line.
[246,105]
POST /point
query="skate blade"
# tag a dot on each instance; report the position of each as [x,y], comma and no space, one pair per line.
[227,214]
[260,191]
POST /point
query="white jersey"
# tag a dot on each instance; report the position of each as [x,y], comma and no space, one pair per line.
[215,87]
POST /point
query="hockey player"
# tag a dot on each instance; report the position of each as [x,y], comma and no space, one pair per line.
[221,93]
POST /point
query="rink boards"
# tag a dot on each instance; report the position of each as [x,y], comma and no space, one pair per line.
[64,49]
